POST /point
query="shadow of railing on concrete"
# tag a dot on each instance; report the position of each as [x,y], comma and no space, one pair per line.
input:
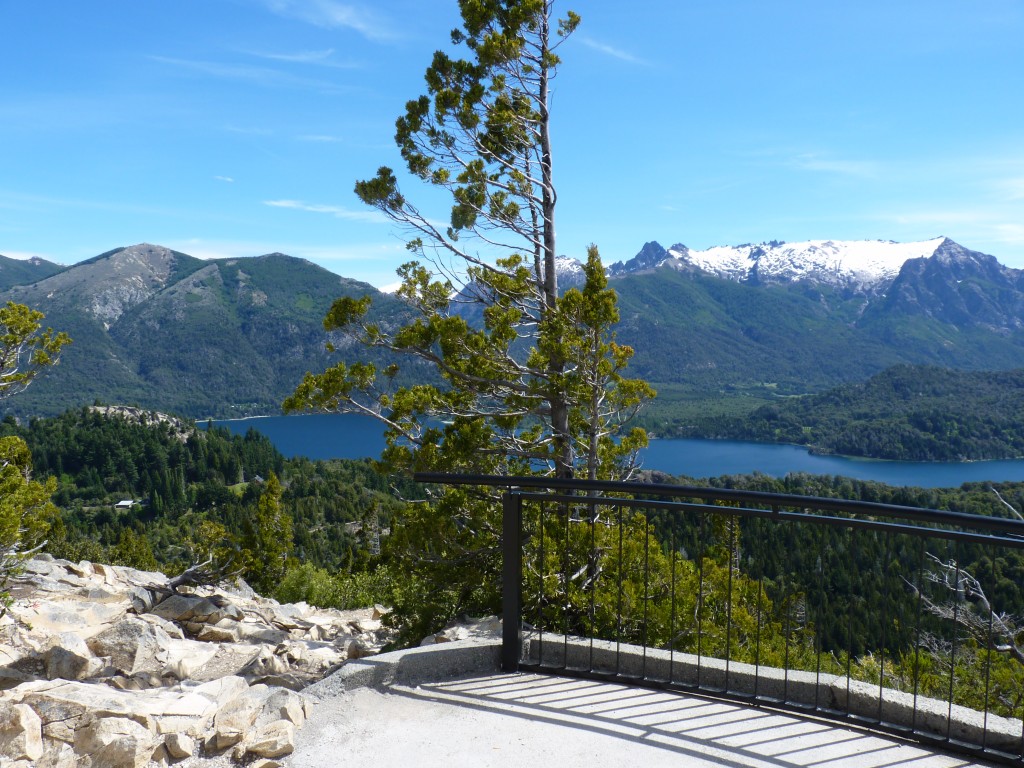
[718,732]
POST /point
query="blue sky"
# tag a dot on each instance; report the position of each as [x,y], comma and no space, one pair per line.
[238,127]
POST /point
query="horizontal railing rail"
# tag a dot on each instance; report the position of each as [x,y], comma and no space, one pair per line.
[780,500]
[887,615]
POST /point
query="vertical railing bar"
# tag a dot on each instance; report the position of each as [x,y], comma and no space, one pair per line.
[917,639]
[760,615]
[789,617]
[885,624]
[541,505]
[757,641]
[700,596]
[647,590]
[851,602]
[512,581]
[565,587]
[618,630]
[595,572]
[988,656]
[952,657]
[1022,737]
[672,615]
[728,599]
[818,623]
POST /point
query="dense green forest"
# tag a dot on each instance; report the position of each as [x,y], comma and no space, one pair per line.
[153,492]
[909,413]
[815,597]
[858,601]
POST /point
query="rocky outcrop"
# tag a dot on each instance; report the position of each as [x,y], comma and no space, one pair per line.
[108,666]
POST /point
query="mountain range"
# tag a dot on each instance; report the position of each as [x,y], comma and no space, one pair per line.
[806,316]
[232,337]
[20,271]
[164,330]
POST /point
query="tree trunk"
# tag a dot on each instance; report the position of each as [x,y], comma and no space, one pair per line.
[564,459]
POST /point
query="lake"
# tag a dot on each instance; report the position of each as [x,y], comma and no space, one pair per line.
[348,436]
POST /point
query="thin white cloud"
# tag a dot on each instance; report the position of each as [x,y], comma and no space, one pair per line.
[27,201]
[370,252]
[331,14]
[998,232]
[262,76]
[964,216]
[615,53]
[248,131]
[324,58]
[1011,189]
[227,179]
[1011,233]
[336,211]
[320,138]
[217,249]
[864,169]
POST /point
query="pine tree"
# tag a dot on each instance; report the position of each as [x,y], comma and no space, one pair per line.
[269,541]
[525,379]
[25,351]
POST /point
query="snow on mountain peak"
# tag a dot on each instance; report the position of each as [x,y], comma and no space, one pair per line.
[857,264]
[569,271]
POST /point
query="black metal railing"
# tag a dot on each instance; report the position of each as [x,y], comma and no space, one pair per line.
[895,617]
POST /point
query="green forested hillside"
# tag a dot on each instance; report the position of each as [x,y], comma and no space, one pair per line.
[919,413]
[163,330]
[233,337]
[23,271]
[185,482]
[719,339]
[199,489]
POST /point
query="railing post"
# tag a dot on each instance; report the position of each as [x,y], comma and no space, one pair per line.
[511,581]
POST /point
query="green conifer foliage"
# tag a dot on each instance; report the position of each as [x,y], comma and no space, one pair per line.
[525,379]
[24,504]
[269,540]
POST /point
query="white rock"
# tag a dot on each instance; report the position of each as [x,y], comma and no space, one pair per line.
[64,706]
[213,634]
[133,645]
[70,658]
[198,610]
[282,704]
[57,754]
[179,745]
[79,616]
[21,732]
[275,739]
[116,742]
[235,718]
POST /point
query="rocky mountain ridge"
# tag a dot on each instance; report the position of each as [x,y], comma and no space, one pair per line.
[805,317]
[233,337]
[167,331]
[21,271]
[859,266]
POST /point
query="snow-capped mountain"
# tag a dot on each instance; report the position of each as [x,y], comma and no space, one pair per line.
[861,266]
[569,272]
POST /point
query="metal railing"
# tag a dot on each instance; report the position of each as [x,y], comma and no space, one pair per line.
[894,617]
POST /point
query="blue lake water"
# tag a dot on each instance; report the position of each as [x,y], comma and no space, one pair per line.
[332,436]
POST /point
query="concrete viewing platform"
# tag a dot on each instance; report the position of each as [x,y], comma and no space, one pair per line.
[447,705]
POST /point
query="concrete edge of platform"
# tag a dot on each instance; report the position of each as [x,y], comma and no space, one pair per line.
[482,656]
[414,666]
